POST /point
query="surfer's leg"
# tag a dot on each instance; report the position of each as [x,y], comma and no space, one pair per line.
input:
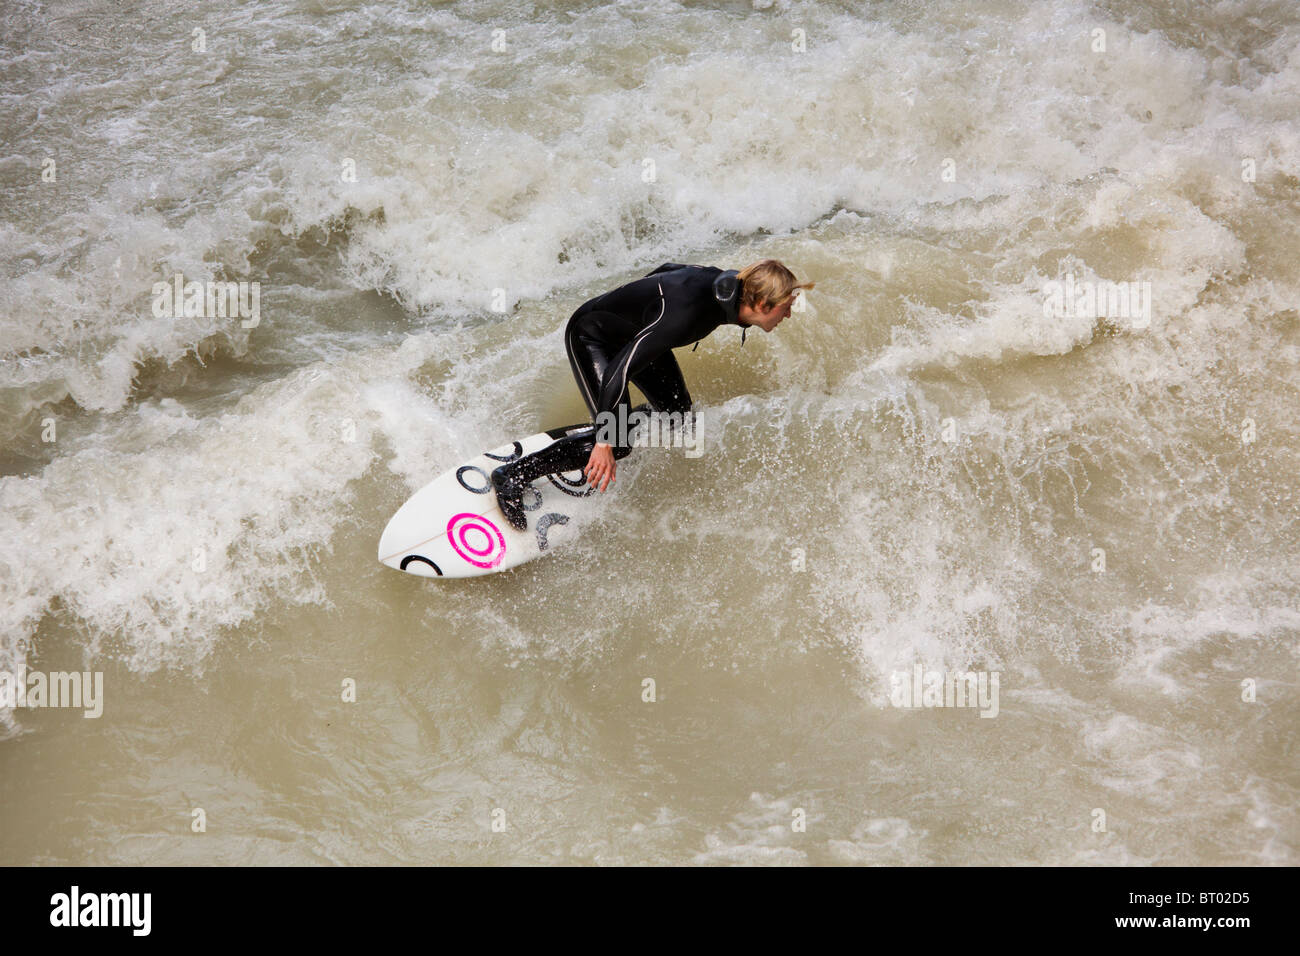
[662,383]
[569,453]
[663,386]
[589,359]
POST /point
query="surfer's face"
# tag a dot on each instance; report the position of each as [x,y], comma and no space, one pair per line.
[773,317]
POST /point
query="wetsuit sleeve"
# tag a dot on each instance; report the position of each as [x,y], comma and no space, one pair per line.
[669,324]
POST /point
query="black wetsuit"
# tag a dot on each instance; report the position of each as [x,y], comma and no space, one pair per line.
[627,335]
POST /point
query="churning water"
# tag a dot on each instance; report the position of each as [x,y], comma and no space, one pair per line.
[935,463]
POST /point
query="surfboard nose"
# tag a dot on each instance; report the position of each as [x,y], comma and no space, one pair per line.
[453,527]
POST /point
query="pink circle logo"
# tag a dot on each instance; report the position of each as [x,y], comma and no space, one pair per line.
[476,539]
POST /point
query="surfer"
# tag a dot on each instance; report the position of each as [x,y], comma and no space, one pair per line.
[627,335]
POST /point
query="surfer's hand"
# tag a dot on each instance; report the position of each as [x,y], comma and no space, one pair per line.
[601,466]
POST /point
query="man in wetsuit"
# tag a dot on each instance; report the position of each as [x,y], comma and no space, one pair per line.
[628,335]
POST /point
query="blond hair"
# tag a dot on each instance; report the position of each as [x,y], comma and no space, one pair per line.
[768,283]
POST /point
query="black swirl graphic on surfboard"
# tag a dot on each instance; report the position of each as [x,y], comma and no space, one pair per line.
[513,456]
[529,489]
[544,525]
[419,557]
[487,482]
[569,485]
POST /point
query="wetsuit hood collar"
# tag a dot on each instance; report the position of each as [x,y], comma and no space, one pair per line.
[727,289]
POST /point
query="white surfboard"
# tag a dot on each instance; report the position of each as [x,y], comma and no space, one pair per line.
[453,527]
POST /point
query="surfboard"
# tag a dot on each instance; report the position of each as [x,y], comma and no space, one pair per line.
[453,527]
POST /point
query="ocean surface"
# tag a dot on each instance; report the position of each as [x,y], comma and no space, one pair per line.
[928,465]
